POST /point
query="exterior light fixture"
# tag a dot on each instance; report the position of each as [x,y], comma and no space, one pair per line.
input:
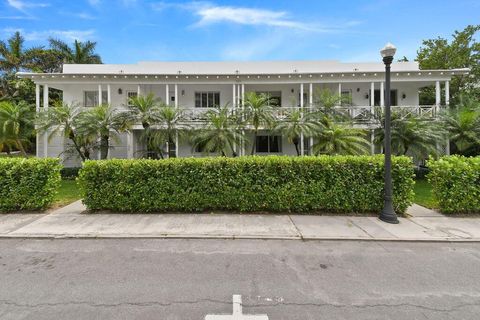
[388,212]
[120,91]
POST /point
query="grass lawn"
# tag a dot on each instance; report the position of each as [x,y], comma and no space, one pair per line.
[67,193]
[423,194]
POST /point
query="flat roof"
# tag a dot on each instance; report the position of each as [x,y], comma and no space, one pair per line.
[235,67]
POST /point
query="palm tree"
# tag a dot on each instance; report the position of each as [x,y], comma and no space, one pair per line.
[295,124]
[102,122]
[81,53]
[16,124]
[63,118]
[13,56]
[220,134]
[463,126]
[258,113]
[412,134]
[339,139]
[144,109]
[325,101]
[171,124]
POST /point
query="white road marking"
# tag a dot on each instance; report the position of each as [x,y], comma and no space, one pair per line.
[237,312]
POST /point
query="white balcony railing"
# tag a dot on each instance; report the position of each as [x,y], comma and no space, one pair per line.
[355,114]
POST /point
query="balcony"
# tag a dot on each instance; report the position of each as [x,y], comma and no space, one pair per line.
[364,116]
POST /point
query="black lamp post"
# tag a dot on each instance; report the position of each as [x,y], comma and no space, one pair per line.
[388,213]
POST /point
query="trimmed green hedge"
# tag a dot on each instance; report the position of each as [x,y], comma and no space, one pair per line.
[273,183]
[28,184]
[456,183]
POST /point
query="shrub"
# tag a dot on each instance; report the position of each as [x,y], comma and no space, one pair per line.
[456,183]
[273,183]
[28,184]
[69,173]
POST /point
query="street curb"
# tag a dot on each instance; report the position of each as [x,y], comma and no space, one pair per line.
[228,237]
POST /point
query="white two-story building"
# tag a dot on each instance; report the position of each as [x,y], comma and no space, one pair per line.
[197,86]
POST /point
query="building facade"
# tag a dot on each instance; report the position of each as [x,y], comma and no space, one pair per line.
[197,86]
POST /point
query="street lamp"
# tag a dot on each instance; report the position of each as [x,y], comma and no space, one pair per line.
[388,213]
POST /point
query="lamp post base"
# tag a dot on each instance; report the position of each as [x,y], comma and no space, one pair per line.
[389,216]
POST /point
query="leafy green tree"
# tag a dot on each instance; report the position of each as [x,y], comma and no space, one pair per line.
[463,51]
[295,124]
[80,53]
[16,125]
[340,139]
[412,135]
[463,125]
[170,124]
[102,122]
[258,113]
[220,133]
[13,55]
[63,118]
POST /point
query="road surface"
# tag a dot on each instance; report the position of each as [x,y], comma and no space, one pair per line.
[188,279]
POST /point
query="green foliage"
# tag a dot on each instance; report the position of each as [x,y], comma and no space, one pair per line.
[220,133]
[16,125]
[273,183]
[463,51]
[340,139]
[80,53]
[463,125]
[412,134]
[28,184]
[456,183]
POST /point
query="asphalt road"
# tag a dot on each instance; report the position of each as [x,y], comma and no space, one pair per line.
[187,279]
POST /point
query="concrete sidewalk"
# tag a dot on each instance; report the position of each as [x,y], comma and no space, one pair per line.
[72,222]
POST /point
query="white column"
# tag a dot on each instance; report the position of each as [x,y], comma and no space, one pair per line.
[447,92]
[234,91]
[109,94]
[176,144]
[302,147]
[167,94]
[139,90]
[45,107]
[310,105]
[382,94]
[437,93]
[372,93]
[130,145]
[37,109]
[340,89]
[100,97]
[243,95]
[176,95]
[243,108]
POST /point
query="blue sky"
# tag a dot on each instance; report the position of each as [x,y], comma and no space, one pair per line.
[128,31]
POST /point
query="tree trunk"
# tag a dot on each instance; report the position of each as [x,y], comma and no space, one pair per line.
[254,144]
[21,148]
[104,145]
[72,137]
[296,142]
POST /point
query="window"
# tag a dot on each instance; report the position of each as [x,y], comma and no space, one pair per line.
[90,98]
[393,97]
[207,99]
[346,97]
[131,94]
[269,144]
[275,97]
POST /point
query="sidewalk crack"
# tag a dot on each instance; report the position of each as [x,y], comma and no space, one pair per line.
[296,228]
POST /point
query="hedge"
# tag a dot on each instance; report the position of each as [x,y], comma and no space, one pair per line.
[28,184]
[247,184]
[456,183]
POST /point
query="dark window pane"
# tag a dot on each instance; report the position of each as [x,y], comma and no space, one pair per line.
[217,98]
[204,100]
[104,97]
[275,144]
[198,101]
[262,144]
[210,99]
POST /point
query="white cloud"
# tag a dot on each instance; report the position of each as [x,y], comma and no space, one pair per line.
[23,5]
[94,2]
[67,35]
[210,13]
